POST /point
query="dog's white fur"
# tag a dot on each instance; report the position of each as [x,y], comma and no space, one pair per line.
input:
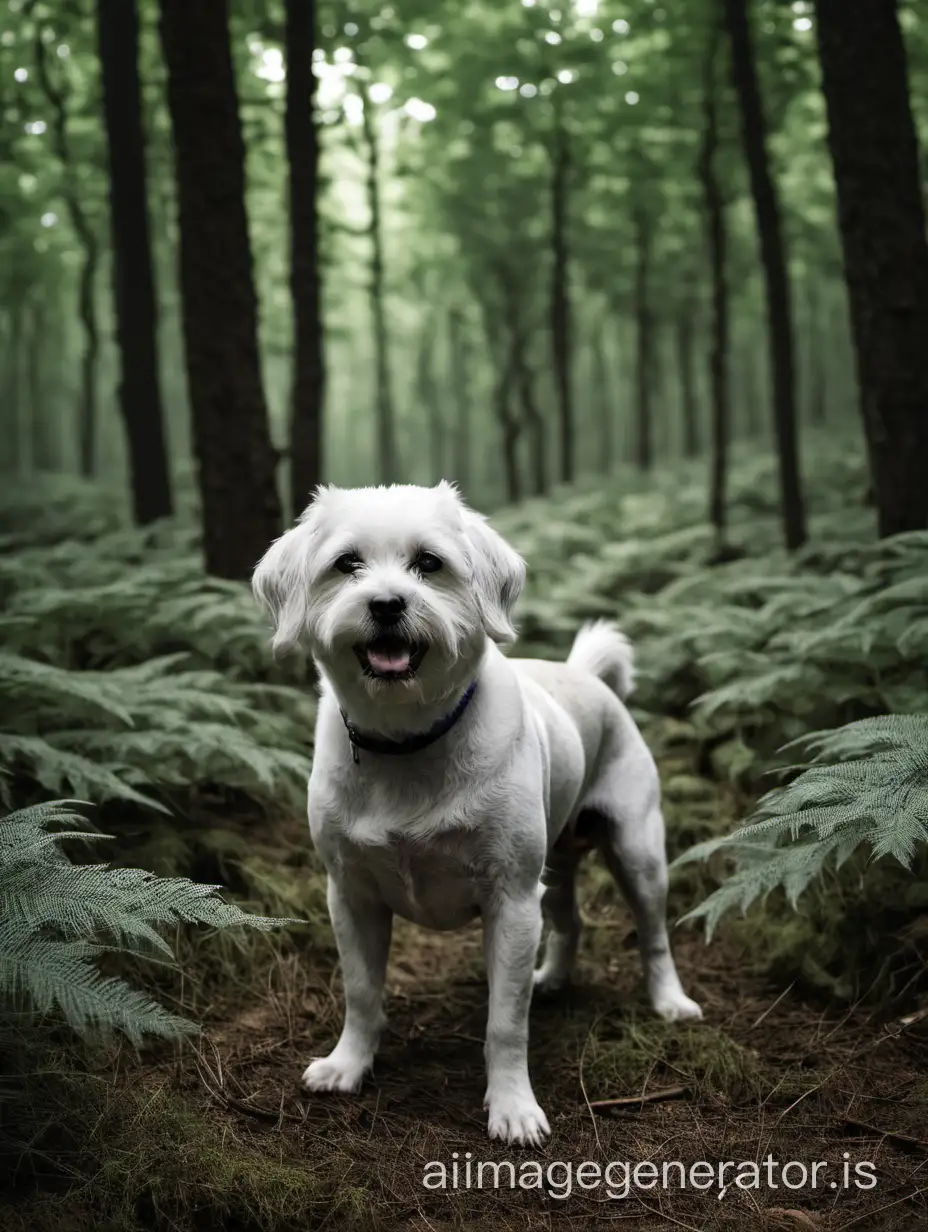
[468,825]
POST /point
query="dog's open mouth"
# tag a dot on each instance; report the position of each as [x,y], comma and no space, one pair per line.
[389,657]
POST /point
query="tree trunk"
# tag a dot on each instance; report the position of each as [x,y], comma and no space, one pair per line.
[817,379]
[881,215]
[605,410]
[133,276]
[510,427]
[87,238]
[644,358]
[717,243]
[20,444]
[460,378]
[773,257]
[685,329]
[43,448]
[560,296]
[532,417]
[302,139]
[428,397]
[387,457]
[237,461]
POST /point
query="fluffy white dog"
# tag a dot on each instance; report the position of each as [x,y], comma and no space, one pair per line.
[447,778]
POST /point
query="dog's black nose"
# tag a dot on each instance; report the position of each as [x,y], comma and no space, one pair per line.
[387,609]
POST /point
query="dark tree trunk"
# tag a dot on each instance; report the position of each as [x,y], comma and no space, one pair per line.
[532,418]
[43,450]
[511,429]
[605,410]
[560,296]
[881,215]
[685,331]
[133,277]
[460,378]
[302,138]
[387,456]
[753,390]
[773,257]
[237,461]
[717,243]
[502,343]
[87,238]
[644,357]
[13,402]
[429,399]
[817,377]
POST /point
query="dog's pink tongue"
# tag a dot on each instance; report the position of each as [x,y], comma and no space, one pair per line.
[388,660]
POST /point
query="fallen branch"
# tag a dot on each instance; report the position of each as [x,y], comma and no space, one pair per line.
[631,1101]
[893,1135]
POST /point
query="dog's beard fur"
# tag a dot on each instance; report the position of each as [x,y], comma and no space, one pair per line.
[450,613]
[447,626]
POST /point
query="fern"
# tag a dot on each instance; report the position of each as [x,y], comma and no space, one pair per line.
[865,786]
[136,733]
[57,919]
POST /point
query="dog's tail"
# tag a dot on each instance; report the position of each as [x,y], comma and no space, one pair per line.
[601,649]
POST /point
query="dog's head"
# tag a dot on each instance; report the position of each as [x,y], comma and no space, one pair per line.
[393,588]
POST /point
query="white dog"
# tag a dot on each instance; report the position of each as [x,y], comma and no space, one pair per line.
[448,778]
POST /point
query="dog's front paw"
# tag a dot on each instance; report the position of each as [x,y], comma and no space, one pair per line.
[335,1073]
[676,1007]
[517,1118]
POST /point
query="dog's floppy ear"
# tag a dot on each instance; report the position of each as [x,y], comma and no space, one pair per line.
[498,574]
[281,579]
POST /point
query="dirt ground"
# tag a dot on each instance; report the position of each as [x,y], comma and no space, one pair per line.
[765,1075]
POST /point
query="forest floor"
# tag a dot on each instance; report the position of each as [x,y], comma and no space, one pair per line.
[220,1136]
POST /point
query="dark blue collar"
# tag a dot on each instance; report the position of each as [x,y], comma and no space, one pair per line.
[409,744]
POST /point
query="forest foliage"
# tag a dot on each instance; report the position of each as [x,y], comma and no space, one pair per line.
[608,265]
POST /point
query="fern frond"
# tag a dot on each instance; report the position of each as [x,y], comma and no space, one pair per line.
[50,975]
[866,785]
[54,915]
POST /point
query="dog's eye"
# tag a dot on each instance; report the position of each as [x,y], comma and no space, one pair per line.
[427,562]
[349,562]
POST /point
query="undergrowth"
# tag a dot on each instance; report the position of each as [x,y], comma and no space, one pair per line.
[128,677]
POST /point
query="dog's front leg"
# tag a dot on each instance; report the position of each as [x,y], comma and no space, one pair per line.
[362,934]
[512,931]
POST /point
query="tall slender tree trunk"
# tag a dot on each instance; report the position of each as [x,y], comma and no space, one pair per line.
[133,275]
[881,214]
[237,461]
[428,398]
[460,379]
[20,444]
[87,238]
[644,358]
[753,390]
[816,375]
[523,377]
[510,426]
[717,242]
[387,456]
[685,331]
[532,418]
[42,447]
[773,257]
[302,139]
[560,293]
[605,410]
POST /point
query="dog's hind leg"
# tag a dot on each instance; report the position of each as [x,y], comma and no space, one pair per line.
[562,916]
[632,844]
